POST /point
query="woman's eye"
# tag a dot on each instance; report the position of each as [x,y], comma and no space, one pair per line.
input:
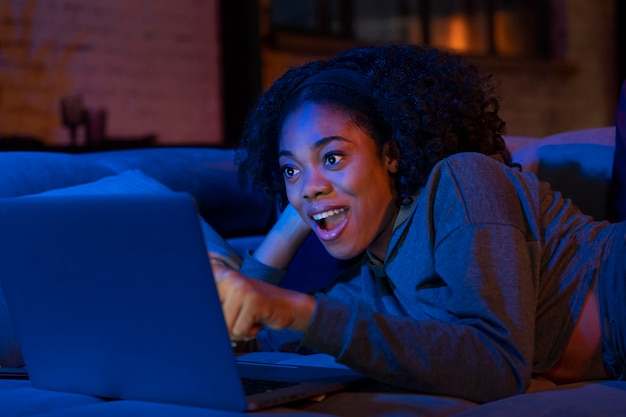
[289,172]
[332,159]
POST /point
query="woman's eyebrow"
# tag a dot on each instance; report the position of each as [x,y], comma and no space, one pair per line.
[328,139]
[317,144]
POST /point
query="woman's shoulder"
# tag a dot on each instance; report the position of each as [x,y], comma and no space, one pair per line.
[477,170]
[474,161]
[481,188]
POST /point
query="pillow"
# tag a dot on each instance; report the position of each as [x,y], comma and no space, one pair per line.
[135,181]
[618,186]
[128,182]
[572,146]
[576,163]
[132,181]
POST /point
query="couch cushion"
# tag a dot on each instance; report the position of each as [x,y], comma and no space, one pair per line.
[599,399]
[381,401]
[33,172]
[577,163]
[619,159]
[132,181]
[141,409]
[19,398]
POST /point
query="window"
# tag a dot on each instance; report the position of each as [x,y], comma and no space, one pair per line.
[495,28]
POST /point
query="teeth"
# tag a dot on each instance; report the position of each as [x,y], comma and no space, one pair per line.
[326,214]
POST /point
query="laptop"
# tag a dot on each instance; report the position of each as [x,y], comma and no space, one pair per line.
[113,296]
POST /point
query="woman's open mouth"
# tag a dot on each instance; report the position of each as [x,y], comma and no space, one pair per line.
[330,222]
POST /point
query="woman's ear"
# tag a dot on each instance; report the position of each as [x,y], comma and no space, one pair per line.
[391,155]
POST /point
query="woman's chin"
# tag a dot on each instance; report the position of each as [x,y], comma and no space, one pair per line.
[341,253]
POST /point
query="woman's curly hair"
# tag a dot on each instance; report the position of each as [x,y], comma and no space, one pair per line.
[432,103]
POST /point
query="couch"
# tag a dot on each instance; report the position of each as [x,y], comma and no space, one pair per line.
[578,163]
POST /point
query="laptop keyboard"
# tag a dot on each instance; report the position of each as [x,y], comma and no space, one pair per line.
[255,386]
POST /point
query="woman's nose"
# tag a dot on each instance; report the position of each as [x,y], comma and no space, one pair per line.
[314,185]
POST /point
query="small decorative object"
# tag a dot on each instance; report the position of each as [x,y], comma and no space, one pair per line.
[72,115]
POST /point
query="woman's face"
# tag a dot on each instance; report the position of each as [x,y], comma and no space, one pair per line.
[337,180]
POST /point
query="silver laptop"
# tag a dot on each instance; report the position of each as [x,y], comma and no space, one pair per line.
[113,296]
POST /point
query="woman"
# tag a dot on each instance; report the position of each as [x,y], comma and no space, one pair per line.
[474,276]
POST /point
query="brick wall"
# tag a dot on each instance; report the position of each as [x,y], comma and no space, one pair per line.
[153,65]
[541,101]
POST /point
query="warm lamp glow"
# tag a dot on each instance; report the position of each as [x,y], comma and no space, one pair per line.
[459,33]
[463,33]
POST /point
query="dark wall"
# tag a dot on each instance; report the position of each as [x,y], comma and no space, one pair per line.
[621,38]
[241,63]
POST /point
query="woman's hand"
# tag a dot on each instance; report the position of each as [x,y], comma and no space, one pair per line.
[250,304]
[283,240]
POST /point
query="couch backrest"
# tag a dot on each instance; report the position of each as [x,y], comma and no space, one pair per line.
[209,174]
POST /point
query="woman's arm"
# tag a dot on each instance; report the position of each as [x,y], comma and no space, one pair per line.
[472,338]
[283,240]
[469,335]
[269,262]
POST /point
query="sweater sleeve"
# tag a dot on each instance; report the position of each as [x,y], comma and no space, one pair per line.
[467,328]
[255,269]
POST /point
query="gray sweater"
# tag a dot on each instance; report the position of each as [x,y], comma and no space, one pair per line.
[483,281]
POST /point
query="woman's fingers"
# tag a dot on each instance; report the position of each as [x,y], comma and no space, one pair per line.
[244,327]
[231,291]
[249,304]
